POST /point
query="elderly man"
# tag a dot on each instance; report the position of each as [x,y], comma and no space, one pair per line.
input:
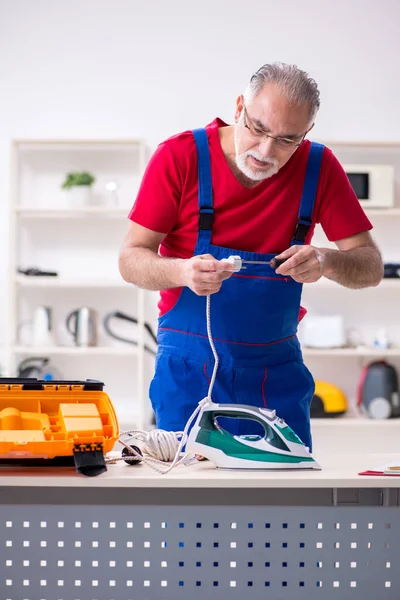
[254,189]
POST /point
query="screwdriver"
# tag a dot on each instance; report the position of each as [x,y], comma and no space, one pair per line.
[238,262]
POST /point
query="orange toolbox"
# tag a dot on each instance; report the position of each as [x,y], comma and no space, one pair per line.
[56,422]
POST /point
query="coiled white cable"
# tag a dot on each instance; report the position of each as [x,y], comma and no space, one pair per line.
[166,446]
[158,443]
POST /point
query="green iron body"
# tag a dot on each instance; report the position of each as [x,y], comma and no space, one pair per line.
[279,447]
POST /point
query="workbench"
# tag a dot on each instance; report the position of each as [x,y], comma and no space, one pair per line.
[198,532]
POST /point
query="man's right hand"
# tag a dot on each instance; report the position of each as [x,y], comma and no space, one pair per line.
[204,274]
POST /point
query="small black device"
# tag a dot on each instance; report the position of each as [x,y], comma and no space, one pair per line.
[391,270]
[35,272]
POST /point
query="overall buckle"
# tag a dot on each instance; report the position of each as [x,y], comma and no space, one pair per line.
[302,228]
[206,218]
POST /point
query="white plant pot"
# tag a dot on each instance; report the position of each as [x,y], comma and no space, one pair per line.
[78,196]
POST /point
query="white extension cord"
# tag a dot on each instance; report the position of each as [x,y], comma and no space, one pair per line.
[165,446]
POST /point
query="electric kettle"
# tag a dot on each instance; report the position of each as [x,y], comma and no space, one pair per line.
[82,325]
[41,327]
[122,316]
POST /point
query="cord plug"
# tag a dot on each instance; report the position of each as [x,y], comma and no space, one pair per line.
[236,261]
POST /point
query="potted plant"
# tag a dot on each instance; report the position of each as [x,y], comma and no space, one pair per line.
[78,187]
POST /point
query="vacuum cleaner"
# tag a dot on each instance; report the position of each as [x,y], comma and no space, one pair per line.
[378,391]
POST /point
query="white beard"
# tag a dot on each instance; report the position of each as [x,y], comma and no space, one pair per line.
[255,175]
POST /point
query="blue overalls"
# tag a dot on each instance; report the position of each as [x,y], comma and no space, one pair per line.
[254,320]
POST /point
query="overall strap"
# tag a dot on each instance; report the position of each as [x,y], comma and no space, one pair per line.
[304,218]
[206,209]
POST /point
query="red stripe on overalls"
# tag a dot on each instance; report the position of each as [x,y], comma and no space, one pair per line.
[263,387]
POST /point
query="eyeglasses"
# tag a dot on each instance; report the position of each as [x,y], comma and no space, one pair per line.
[259,134]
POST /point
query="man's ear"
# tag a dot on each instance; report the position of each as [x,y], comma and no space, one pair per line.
[239,107]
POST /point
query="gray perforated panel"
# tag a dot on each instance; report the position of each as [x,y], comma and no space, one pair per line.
[167,553]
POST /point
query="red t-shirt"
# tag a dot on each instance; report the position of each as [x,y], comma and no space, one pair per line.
[259,219]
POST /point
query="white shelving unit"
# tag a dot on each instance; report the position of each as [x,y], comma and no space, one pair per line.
[364,310]
[80,243]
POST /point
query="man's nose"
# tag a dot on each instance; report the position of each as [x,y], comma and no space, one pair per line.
[267,148]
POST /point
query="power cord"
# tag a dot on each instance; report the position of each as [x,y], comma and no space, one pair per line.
[165,446]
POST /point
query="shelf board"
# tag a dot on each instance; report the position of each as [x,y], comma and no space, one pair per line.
[351,420]
[365,143]
[328,283]
[341,352]
[65,282]
[40,212]
[60,282]
[91,144]
[383,212]
[76,351]
[132,350]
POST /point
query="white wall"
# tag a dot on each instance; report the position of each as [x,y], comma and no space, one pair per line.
[124,68]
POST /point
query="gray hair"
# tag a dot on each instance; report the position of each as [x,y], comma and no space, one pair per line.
[298,87]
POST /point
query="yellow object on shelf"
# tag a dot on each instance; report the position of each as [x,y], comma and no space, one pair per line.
[328,400]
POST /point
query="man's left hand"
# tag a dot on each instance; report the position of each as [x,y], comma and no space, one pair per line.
[304,264]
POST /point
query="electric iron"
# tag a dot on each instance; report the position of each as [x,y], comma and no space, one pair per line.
[279,448]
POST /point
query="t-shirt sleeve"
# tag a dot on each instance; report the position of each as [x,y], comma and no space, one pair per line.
[157,202]
[340,213]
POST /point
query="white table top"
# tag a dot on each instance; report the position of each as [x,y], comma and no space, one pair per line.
[340,471]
